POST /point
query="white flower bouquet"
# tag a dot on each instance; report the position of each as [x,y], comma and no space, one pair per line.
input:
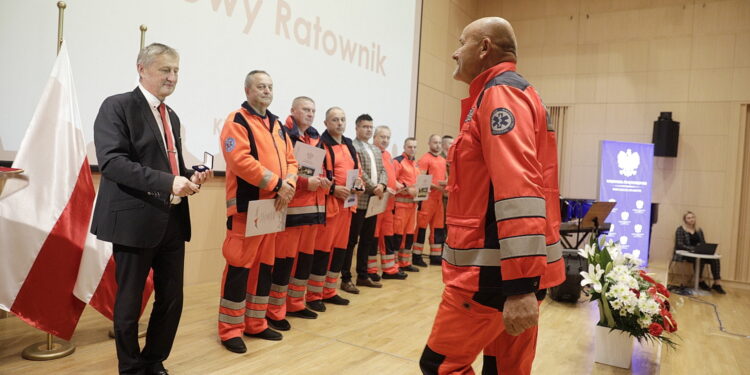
[629,299]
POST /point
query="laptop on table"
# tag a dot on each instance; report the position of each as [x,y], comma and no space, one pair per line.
[705,248]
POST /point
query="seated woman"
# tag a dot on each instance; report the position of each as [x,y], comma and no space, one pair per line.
[687,237]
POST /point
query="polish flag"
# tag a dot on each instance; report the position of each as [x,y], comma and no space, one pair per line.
[96,284]
[46,211]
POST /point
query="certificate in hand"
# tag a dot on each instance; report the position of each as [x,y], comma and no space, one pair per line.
[309,158]
[377,206]
[262,218]
[424,182]
[351,176]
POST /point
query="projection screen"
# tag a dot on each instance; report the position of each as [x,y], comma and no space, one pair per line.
[356,54]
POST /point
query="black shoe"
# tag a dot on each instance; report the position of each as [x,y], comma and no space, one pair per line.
[266,334]
[317,305]
[418,261]
[158,369]
[400,275]
[336,300]
[436,260]
[304,314]
[718,289]
[409,269]
[374,276]
[703,286]
[279,325]
[235,344]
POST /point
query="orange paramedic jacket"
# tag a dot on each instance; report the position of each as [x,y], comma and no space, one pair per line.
[406,173]
[259,157]
[391,173]
[503,213]
[340,159]
[435,166]
[307,207]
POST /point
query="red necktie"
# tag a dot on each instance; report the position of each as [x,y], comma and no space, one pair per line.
[171,151]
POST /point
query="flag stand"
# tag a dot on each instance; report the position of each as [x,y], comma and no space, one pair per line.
[45,351]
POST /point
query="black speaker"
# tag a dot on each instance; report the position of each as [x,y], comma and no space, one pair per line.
[570,289]
[666,135]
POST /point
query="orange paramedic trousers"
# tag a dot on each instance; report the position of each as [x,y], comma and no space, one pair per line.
[294,253]
[404,226]
[328,258]
[246,282]
[464,327]
[431,214]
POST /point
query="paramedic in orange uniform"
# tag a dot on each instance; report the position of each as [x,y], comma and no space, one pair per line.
[304,217]
[503,214]
[331,240]
[405,218]
[260,165]
[385,244]
[431,210]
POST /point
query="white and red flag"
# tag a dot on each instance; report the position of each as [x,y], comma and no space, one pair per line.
[45,214]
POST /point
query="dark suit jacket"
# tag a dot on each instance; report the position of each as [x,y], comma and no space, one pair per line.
[132,207]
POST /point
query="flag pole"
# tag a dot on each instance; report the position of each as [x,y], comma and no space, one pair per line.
[45,351]
[60,21]
[143,36]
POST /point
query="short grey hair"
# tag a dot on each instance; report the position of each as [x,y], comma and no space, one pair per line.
[249,76]
[380,128]
[149,53]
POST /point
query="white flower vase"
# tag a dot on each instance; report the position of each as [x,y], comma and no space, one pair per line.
[612,347]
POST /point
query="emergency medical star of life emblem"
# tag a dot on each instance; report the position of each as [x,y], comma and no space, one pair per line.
[502,121]
[229,144]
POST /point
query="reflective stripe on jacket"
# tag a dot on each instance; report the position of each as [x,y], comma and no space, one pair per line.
[307,207]
[503,213]
[259,157]
[406,173]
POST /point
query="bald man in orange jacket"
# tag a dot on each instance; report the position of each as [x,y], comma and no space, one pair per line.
[503,248]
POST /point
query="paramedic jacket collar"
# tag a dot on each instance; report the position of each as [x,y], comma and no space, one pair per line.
[271,117]
[294,133]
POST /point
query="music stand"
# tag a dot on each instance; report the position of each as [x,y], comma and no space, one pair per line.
[592,221]
[596,215]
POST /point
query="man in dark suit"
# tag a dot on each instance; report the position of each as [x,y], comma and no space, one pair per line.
[142,207]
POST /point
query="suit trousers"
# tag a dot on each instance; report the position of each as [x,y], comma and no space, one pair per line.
[362,231]
[132,266]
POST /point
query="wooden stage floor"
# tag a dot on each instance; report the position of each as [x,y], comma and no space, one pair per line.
[383,331]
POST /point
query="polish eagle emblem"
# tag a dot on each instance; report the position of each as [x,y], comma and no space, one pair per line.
[628,162]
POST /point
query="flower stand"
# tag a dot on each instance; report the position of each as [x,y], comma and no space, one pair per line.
[612,347]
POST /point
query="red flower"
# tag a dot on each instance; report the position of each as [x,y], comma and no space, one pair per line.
[662,290]
[651,291]
[646,277]
[636,292]
[655,329]
[669,323]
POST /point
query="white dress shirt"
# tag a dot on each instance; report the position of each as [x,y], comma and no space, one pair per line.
[153,103]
